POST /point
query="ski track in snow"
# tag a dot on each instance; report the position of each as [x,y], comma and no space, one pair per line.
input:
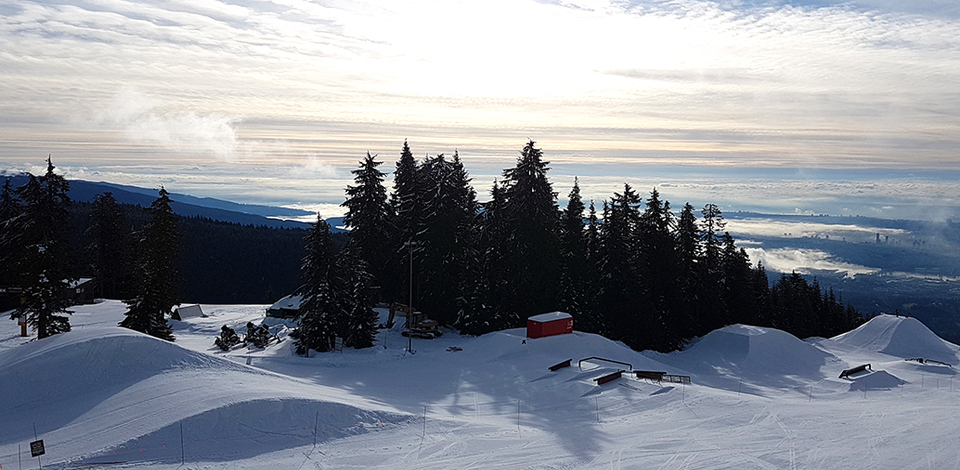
[759,398]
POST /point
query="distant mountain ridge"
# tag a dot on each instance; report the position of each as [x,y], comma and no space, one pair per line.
[183,204]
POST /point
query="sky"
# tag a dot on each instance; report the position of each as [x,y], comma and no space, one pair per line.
[810,106]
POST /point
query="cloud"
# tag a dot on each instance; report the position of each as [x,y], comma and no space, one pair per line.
[140,118]
[734,84]
[805,261]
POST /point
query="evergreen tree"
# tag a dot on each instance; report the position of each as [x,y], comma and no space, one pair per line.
[487,280]
[369,217]
[108,243]
[686,239]
[575,280]
[359,325]
[42,265]
[593,234]
[404,198]
[158,279]
[531,216]
[620,290]
[660,274]
[449,208]
[9,235]
[336,300]
[738,291]
[713,311]
[406,203]
[316,326]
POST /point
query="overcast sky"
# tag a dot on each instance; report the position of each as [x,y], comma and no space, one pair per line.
[210,94]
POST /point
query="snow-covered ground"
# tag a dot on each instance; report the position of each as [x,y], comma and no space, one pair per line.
[105,397]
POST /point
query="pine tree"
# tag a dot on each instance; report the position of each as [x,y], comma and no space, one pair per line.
[42,265]
[449,208]
[712,311]
[315,329]
[336,300]
[108,243]
[10,240]
[660,273]
[158,279]
[532,218]
[687,245]
[482,310]
[359,326]
[369,217]
[738,291]
[406,203]
[620,289]
[575,269]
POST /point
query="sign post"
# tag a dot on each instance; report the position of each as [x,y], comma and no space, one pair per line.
[36,450]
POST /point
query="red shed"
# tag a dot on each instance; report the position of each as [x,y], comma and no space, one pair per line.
[549,324]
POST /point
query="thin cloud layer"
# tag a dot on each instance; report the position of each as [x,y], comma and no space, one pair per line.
[801,84]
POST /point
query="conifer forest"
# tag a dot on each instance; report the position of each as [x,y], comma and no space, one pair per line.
[631,267]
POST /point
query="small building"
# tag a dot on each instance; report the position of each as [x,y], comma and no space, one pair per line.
[287,307]
[80,291]
[188,311]
[549,324]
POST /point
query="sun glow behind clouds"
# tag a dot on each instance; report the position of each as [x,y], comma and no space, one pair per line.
[297,83]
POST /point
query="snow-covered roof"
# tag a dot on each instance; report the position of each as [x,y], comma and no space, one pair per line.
[290,302]
[548,317]
[79,282]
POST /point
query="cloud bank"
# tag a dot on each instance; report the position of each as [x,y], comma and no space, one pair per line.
[733,84]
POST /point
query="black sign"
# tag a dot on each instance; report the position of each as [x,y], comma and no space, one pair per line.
[36,448]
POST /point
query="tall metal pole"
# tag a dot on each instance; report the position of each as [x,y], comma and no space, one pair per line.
[410,305]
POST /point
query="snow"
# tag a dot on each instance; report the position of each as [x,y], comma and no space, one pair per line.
[900,337]
[548,317]
[105,397]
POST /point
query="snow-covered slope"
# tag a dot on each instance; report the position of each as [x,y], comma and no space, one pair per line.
[105,397]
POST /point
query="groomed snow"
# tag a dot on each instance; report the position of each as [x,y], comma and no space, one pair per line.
[104,397]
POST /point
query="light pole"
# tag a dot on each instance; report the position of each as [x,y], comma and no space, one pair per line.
[409,245]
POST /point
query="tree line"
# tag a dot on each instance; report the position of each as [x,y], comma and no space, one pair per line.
[631,270]
[147,256]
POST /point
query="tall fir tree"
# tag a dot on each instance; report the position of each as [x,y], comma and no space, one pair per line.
[687,245]
[315,329]
[660,273]
[336,301]
[712,309]
[10,210]
[482,310]
[369,217]
[620,291]
[576,283]
[449,209]
[405,199]
[108,244]
[158,278]
[532,218]
[358,326]
[43,264]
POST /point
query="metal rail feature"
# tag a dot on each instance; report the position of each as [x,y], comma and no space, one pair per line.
[579,364]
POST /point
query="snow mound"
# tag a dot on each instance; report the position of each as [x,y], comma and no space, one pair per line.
[736,355]
[879,380]
[766,351]
[93,390]
[899,337]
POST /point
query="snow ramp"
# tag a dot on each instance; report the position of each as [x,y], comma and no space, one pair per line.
[765,357]
[899,337]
